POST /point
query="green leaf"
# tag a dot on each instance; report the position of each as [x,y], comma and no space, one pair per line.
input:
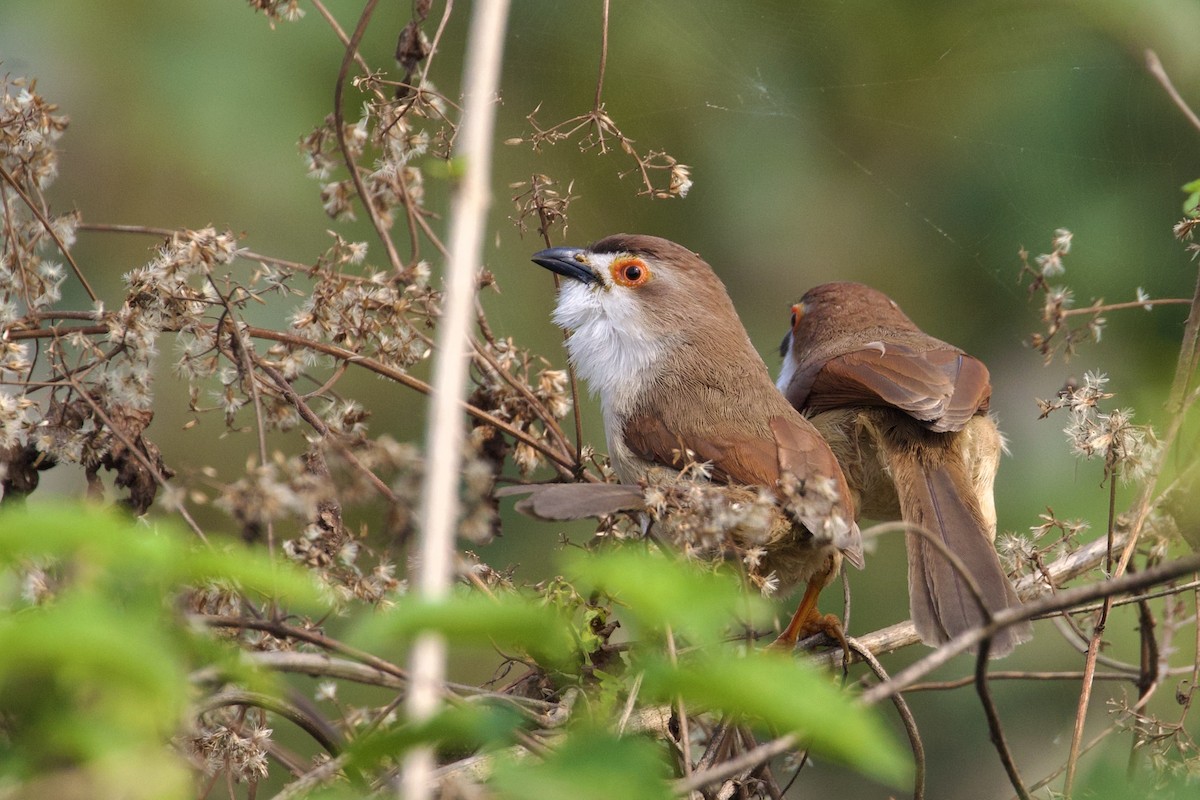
[124,556]
[590,765]
[506,621]
[460,729]
[94,682]
[1191,205]
[659,591]
[788,696]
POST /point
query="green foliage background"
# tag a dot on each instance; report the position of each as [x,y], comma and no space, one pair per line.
[913,145]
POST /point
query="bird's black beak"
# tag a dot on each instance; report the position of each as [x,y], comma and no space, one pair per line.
[570,262]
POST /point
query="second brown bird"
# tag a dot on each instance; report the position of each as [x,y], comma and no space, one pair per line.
[906,415]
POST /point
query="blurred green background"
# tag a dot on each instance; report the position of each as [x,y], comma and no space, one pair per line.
[912,145]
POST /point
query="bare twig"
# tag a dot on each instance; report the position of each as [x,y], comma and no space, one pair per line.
[1156,69]
[339,121]
[37,212]
[1089,664]
[317,729]
[438,501]
[1057,602]
[731,767]
[995,729]
[561,461]
[596,104]
[906,716]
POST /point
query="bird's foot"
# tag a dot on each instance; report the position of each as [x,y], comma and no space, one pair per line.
[816,623]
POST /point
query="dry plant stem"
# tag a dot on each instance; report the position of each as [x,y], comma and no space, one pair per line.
[1018,675]
[906,716]
[340,33]
[1185,368]
[318,424]
[685,737]
[1100,737]
[547,419]
[318,664]
[630,702]
[439,508]
[995,729]
[1097,308]
[1031,609]
[288,711]
[37,212]
[727,769]
[243,353]
[137,453]
[150,230]
[603,57]
[282,631]
[560,460]
[315,778]
[339,122]
[903,634]
[1156,69]
[1089,664]
[437,39]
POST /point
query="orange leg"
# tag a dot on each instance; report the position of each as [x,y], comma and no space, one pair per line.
[808,620]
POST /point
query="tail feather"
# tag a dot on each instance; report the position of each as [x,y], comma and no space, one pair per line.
[936,493]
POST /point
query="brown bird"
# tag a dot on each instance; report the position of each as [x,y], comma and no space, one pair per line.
[907,416]
[655,335]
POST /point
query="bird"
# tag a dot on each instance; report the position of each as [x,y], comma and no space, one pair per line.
[907,416]
[682,390]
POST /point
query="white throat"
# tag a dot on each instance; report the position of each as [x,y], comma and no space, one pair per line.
[610,344]
[787,371]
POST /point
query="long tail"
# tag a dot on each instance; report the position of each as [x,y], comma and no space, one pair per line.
[936,493]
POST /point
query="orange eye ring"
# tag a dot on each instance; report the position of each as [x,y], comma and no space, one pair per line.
[631,272]
[797,314]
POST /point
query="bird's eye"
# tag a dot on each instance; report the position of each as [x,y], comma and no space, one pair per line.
[793,319]
[631,272]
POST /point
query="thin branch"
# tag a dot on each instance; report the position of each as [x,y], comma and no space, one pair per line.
[323,735]
[137,452]
[1089,664]
[995,729]
[37,212]
[1156,69]
[340,33]
[1009,616]
[1100,737]
[318,776]
[1097,308]
[603,58]
[727,769]
[685,735]
[339,122]
[150,230]
[1018,675]
[243,356]
[906,716]
[446,434]
[561,461]
[283,631]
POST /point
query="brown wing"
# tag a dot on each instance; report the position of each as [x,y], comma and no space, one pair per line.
[942,388]
[802,452]
[734,460]
[795,447]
